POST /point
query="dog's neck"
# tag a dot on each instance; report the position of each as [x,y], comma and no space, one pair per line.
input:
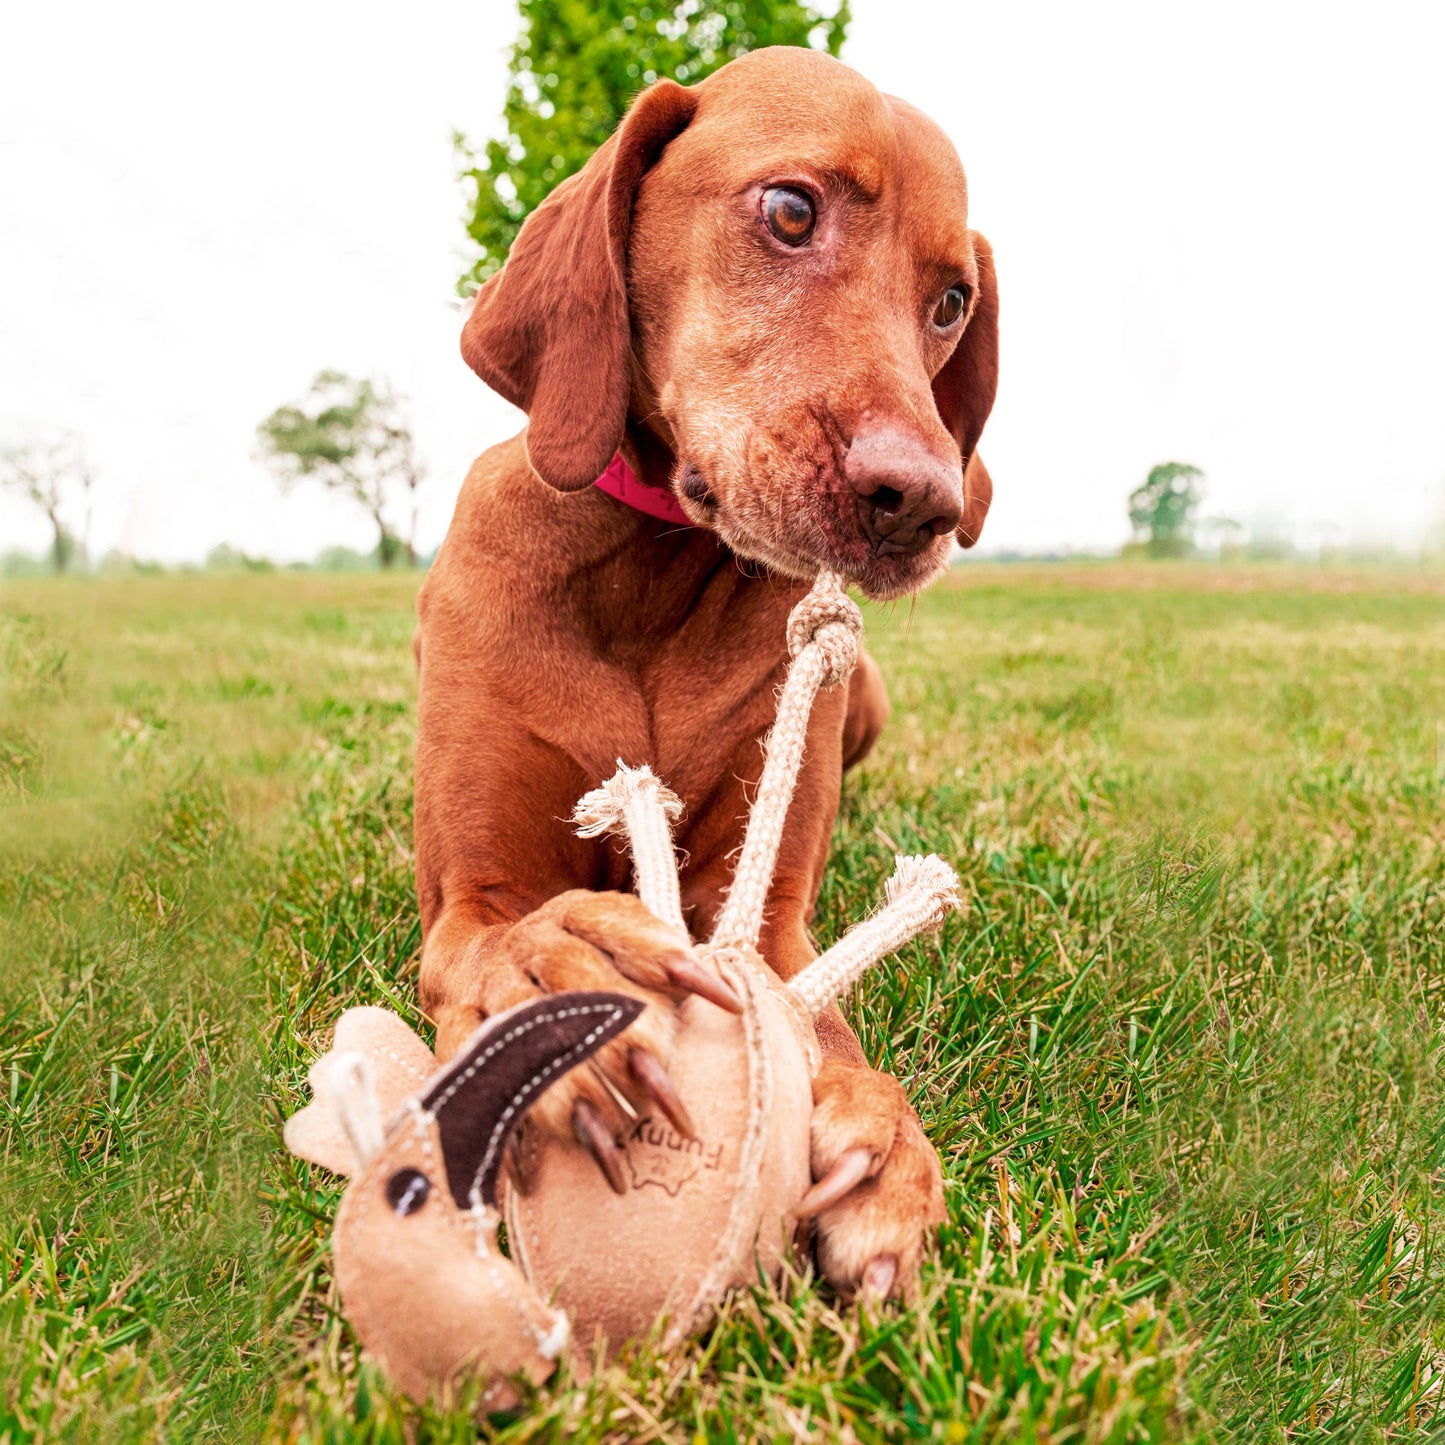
[634,577]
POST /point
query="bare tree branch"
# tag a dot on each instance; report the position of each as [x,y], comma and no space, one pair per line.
[54,475]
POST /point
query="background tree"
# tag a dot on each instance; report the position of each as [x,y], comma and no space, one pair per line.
[1162,510]
[55,476]
[350,434]
[575,67]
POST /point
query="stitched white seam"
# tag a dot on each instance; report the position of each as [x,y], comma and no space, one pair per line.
[484,1223]
[406,1064]
[497,1045]
[537,1082]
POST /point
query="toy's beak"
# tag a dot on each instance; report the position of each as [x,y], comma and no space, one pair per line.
[482,1094]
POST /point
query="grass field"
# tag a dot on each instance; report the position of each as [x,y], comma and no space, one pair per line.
[1183,1055]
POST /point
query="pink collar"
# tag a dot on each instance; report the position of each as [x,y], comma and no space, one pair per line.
[620,481]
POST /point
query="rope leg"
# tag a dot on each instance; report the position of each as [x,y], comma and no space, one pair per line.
[921,893]
[635,803]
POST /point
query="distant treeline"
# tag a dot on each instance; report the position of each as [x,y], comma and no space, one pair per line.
[224,558]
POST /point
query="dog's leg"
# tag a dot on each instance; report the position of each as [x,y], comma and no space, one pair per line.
[879,1193]
[868,710]
[879,1185]
[515,905]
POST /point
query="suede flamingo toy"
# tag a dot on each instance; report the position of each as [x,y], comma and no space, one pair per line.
[699,1214]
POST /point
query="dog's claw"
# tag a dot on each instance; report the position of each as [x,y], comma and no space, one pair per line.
[688,973]
[878,1277]
[596,1138]
[516,1169]
[851,1169]
[654,1080]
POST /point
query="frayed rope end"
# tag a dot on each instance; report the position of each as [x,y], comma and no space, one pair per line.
[603,809]
[925,877]
[921,893]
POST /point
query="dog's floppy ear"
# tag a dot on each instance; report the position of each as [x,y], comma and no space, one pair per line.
[964,390]
[550,330]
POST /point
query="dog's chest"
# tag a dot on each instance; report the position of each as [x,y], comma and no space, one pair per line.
[707,703]
[675,676]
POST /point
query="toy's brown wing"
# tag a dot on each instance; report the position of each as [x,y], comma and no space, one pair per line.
[482,1094]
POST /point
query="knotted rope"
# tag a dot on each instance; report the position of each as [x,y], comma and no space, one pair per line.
[823,635]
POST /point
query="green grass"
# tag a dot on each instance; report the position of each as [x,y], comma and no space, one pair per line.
[1182,1056]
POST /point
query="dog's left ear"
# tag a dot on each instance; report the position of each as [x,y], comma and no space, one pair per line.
[550,330]
[964,390]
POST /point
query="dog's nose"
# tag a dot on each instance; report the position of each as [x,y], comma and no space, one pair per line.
[907,495]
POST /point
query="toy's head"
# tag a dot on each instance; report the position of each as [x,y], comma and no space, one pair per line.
[421,1277]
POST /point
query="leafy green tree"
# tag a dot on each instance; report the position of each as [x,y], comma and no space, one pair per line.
[576,66]
[1162,510]
[55,476]
[350,434]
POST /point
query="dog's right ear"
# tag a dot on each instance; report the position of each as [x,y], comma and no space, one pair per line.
[550,330]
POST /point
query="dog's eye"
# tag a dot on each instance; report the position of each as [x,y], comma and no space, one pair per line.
[950,307]
[407,1191]
[790,214]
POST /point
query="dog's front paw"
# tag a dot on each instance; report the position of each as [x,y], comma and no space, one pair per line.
[610,943]
[879,1190]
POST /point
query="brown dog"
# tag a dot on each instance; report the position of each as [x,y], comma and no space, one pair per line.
[764,291]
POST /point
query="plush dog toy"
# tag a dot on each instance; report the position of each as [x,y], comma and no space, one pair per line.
[421,1277]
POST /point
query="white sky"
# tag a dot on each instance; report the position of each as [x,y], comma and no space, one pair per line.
[1220,230]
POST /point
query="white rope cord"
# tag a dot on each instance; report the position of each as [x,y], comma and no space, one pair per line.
[823,633]
[921,893]
[638,804]
[738,1233]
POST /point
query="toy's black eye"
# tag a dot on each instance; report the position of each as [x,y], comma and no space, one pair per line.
[790,214]
[950,307]
[407,1191]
